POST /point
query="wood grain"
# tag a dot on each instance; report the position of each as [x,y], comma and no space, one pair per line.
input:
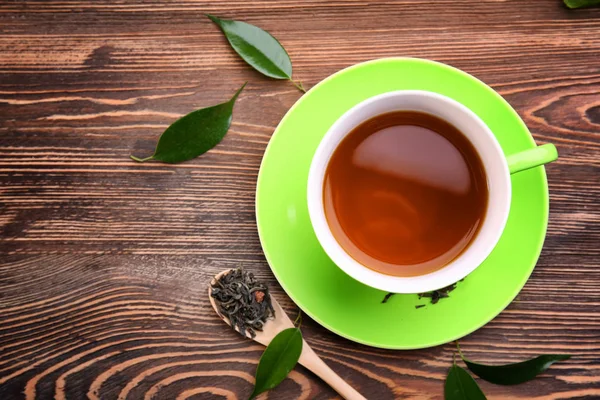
[104,262]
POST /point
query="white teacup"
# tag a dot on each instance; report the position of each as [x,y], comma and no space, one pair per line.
[497,170]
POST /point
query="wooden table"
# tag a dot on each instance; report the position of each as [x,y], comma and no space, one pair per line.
[105,262]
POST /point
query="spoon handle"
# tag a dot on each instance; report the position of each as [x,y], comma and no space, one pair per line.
[312,362]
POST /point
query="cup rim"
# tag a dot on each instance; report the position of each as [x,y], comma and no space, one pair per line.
[416,284]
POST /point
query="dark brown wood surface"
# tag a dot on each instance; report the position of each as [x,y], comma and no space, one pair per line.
[104,262]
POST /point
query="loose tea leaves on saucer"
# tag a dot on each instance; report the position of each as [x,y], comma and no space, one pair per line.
[243,300]
[434,295]
[387,297]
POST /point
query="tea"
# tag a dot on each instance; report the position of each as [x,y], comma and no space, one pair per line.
[405,193]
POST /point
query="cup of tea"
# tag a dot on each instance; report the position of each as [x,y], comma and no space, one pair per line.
[409,191]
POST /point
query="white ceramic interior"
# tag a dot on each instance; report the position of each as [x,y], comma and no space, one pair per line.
[495,167]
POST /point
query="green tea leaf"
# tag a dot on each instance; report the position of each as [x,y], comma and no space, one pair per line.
[461,386]
[581,3]
[513,374]
[278,360]
[194,134]
[258,48]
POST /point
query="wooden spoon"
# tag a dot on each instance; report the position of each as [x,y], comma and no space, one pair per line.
[308,358]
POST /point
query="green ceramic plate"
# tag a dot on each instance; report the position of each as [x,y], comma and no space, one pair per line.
[346,306]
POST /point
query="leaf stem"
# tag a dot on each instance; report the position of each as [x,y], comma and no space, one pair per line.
[298,85]
[134,158]
[459,352]
[298,320]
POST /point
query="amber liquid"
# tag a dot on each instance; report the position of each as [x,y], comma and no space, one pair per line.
[405,193]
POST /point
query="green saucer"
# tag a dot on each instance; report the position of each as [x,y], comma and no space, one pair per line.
[348,307]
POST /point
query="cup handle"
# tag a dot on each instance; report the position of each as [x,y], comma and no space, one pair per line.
[531,158]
